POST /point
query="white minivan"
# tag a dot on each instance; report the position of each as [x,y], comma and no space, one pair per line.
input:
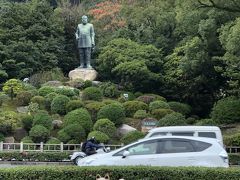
[196,131]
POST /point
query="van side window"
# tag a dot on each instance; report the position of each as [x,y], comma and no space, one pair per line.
[159,134]
[182,133]
[207,134]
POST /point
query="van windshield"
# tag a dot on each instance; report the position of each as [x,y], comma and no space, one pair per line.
[182,133]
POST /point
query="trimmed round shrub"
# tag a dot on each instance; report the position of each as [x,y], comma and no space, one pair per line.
[27,121]
[40,100]
[160,113]
[158,105]
[59,104]
[226,110]
[13,87]
[39,133]
[33,107]
[100,136]
[53,141]
[8,122]
[137,94]
[92,93]
[87,84]
[74,104]
[106,126]
[45,90]
[72,132]
[182,108]
[140,114]
[190,120]
[81,117]
[110,101]
[206,122]
[93,109]
[23,98]
[148,98]
[173,119]
[113,112]
[48,100]
[66,91]
[109,90]
[42,118]
[132,106]
[131,137]
[63,136]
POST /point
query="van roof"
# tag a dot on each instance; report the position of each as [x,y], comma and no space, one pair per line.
[185,128]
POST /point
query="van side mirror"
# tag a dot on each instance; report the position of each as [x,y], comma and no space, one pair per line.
[125,154]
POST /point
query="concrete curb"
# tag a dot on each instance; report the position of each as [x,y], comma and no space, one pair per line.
[31,163]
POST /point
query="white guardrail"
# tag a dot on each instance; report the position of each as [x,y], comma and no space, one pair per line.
[41,147]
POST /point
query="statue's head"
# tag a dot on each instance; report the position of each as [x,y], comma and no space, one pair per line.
[84,19]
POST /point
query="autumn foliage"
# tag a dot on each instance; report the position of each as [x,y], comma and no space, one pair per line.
[107,15]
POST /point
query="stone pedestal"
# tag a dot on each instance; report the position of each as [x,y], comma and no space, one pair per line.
[83,73]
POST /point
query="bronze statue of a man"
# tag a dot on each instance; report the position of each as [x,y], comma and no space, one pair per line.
[85,38]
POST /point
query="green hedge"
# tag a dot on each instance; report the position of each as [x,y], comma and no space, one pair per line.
[35,156]
[128,173]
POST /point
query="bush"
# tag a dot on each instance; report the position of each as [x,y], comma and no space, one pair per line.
[158,105]
[87,84]
[67,91]
[116,172]
[3,76]
[106,126]
[206,122]
[59,104]
[45,90]
[27,121]
[232,140]
[23,98]
[74,104]
[33,107]
[40,100]
[42,118]
[48,100]
[140,114]
[63,136]
[113,112]
[160,113]
[39,133]
[126,96]
[9,120]
[182,108]
[132,106]
[53,141]
[173,119]
[226,111]
[100,136]
[148,98]
[110,101]
[92,93]
[3,98]
[29,140]
[131,137]
[79,116]
[109,90]
[93,109]
[72,132]
[12,87]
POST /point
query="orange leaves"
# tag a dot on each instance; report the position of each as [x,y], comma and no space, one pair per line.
[107,13]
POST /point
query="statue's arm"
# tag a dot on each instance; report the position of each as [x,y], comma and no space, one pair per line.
[92,35]
[77,33]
